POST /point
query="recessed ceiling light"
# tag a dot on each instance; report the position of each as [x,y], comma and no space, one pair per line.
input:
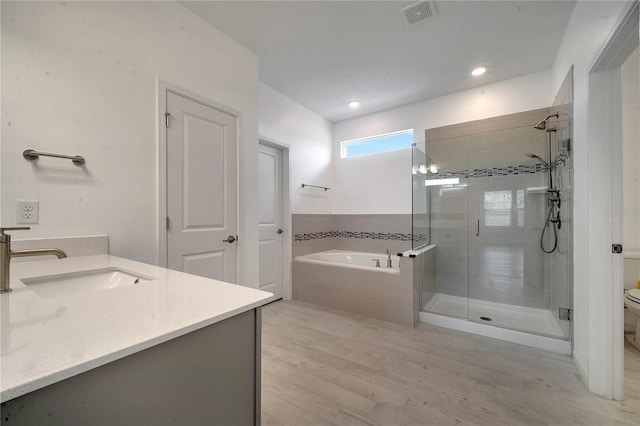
[354,104]
[478,71]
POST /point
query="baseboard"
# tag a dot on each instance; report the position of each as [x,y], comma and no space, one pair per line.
[581,370]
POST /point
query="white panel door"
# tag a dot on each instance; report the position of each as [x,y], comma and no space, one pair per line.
[271,232]
[201,189]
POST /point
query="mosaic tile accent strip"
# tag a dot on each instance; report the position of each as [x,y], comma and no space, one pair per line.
[491,171]
[360,235]
[313,236]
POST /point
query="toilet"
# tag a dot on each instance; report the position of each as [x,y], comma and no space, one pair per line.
[632,302]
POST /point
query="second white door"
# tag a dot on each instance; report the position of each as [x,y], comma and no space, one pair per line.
[270,225]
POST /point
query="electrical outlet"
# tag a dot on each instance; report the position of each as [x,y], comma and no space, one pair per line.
[27,211]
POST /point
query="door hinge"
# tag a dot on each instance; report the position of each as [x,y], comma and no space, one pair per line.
[616,248]
[167,222]
[565,314]
[166,119]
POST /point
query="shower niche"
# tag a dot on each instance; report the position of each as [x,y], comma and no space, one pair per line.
[495,197]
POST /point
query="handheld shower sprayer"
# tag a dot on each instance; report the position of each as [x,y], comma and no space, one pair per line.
[540,159]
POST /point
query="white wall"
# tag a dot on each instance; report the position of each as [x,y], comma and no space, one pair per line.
[81,78]
[309,137]
[382,183]
[588,29]
[631,154]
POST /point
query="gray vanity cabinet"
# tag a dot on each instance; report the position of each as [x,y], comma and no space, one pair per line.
[210,376]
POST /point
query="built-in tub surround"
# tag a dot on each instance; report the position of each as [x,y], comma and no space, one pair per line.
[311,233]
[371,233]
[333,279]
[356,260]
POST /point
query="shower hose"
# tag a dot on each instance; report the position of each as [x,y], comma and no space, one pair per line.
[553,225]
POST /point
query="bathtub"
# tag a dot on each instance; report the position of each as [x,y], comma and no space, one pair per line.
[350,281]
[352,259]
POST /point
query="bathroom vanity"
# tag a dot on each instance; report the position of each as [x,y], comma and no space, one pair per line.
[104,340]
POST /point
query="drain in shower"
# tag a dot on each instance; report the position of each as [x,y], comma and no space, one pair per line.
[485,318]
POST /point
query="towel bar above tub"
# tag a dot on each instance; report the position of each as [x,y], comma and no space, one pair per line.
[315,186]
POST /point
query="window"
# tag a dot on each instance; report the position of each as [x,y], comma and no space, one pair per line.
[499,206]
[377,144]
[520,207]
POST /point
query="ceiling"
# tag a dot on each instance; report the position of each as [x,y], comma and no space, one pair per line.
[323,54]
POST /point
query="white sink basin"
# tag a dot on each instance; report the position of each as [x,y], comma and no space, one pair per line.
[63,285]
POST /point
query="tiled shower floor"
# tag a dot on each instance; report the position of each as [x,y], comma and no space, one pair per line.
[530,320]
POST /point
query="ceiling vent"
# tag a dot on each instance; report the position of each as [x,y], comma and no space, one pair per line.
[418,12]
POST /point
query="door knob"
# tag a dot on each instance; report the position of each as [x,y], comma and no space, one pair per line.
[230,239]
[279,231]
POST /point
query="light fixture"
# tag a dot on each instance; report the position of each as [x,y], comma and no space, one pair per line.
[434,182]
[423,169]
[433,168]
[354,104]
[478,71]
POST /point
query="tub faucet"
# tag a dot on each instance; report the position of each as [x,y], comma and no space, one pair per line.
[389,265]
[6,255]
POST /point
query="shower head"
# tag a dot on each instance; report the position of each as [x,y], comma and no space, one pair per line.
[542,124]
[544,163]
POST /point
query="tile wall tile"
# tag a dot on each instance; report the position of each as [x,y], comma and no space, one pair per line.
[306,226]
[388,297]
[365,233]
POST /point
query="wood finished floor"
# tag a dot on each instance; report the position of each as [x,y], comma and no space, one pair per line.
[325,367]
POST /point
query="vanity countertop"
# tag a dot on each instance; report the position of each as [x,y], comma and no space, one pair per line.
[44,341]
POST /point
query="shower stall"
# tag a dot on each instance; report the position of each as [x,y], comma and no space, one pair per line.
[494,197]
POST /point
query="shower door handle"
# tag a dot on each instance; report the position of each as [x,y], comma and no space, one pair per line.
[477,227]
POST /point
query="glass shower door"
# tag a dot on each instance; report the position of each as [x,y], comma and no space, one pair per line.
[507,202]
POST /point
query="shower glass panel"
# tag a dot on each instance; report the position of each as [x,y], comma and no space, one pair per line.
[420,228]
[449,223]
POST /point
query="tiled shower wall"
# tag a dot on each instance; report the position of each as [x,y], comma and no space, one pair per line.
[504,262]
[371,233]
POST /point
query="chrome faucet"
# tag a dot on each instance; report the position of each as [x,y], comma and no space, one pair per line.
[6,255]
[389,265]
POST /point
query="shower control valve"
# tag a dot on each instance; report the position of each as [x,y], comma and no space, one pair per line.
[557,220]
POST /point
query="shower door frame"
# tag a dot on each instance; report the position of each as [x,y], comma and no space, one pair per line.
[516,120]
